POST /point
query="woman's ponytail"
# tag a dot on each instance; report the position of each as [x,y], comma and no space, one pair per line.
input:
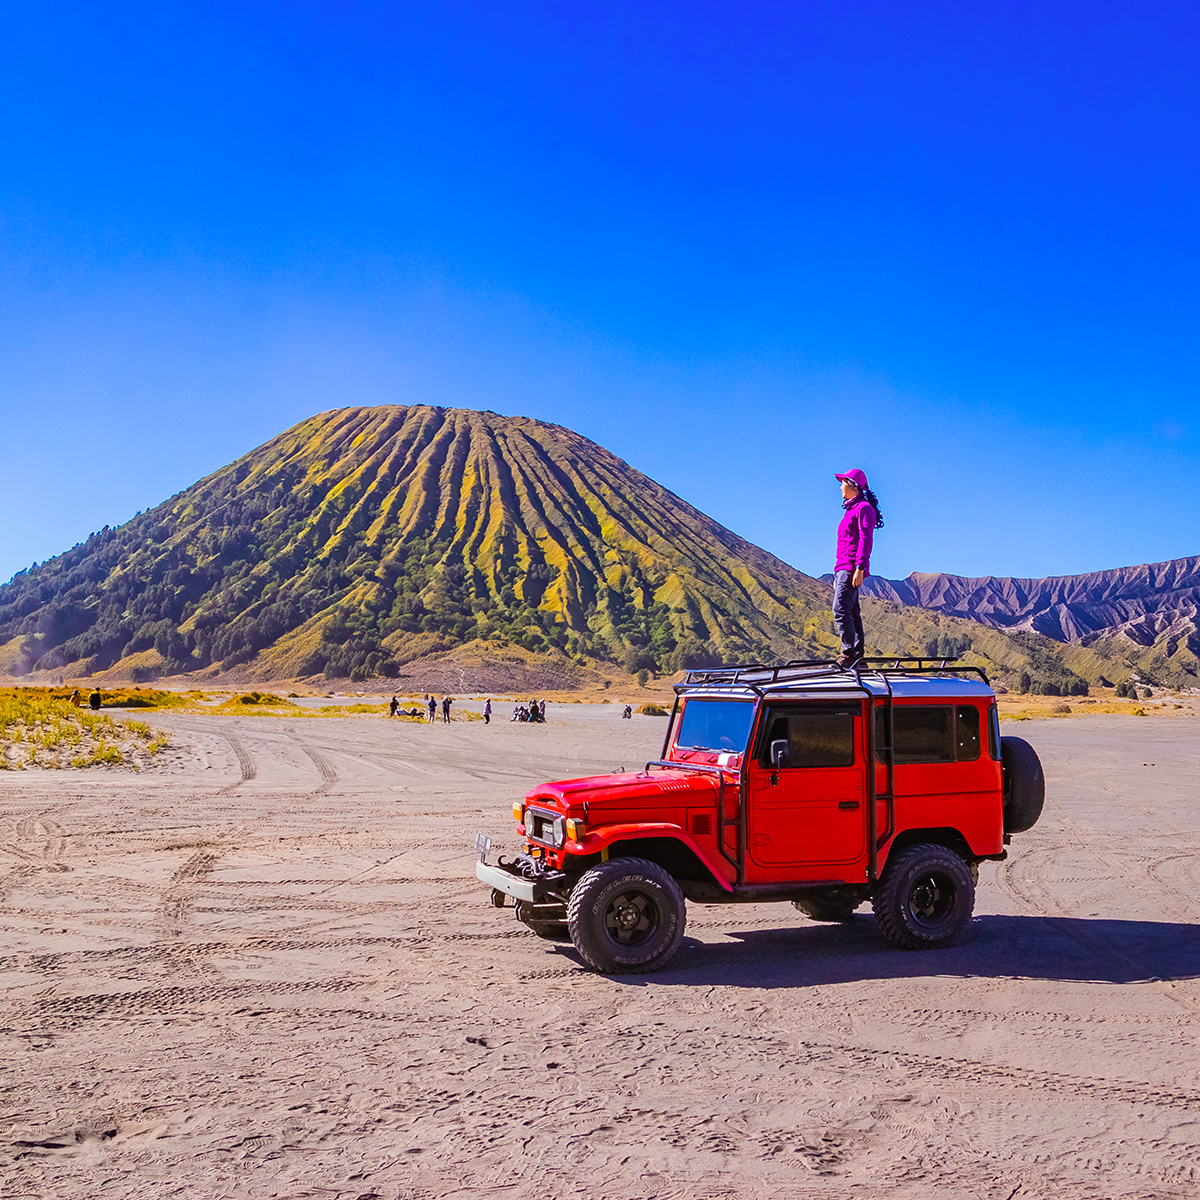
[873,501]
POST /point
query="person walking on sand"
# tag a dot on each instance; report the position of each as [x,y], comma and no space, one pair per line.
[446,702]
[487,711]
[855,535]
[395,704]
[432,709]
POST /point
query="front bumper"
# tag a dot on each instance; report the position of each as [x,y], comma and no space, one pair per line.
[511,885]
[512,881]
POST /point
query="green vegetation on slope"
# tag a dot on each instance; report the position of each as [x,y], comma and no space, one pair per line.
[363,524]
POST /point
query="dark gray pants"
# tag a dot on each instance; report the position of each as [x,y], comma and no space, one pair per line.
[847,614]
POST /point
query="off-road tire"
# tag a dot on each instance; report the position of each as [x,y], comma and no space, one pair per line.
[825,907]
[925,897]
[626,916]
[1024,784]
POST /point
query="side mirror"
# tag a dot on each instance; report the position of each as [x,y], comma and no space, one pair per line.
[781,754]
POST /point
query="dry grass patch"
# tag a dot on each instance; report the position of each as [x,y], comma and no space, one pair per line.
[41,728]
[1016,707]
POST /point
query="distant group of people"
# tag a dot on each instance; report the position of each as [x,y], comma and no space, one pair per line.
[534,711]
[93,699]
[430,707]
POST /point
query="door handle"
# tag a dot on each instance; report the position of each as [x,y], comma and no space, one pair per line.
[847,805]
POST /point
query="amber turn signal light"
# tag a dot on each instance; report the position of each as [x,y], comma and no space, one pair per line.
[518,812]
[575,829]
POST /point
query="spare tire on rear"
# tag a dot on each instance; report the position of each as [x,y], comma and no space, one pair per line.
[1024,784]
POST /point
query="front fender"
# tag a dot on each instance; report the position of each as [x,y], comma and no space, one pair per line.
[601,840]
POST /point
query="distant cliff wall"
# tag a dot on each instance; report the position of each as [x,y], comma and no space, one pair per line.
[1154,607]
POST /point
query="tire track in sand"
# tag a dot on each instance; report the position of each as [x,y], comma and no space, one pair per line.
[245,762]
[151,1002]
[175,911]
[1035,893]
[38,843]
[324,767]
[56,961]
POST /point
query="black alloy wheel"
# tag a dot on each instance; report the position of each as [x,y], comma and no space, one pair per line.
[626,915]
[925,897]
[930,898]
[631,918]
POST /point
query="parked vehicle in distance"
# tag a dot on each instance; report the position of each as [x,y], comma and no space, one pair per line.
[806,783]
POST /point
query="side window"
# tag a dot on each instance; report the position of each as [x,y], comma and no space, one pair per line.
[930,733]
[966,732]
[994,731]
[818,735]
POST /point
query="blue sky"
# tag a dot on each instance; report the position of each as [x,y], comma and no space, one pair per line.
[742,246]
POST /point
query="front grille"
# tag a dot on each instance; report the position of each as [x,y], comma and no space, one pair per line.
[548,828]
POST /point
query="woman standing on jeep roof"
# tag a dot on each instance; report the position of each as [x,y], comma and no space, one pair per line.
[854,537]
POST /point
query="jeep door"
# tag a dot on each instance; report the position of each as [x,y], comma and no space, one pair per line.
[812,811]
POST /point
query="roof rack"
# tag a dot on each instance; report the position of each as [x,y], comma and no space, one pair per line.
[758,676]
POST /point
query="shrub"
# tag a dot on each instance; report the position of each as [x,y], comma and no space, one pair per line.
[652,710]
[260,698]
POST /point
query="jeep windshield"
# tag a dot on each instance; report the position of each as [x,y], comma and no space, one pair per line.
[715,725]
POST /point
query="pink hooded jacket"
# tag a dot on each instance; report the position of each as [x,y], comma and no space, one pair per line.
[855,535]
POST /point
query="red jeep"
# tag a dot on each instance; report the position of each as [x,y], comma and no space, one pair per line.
[803,782]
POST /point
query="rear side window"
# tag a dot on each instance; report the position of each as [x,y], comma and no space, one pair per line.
[930,733]
[966,732]
[994,731]
[715,725]
[818,735]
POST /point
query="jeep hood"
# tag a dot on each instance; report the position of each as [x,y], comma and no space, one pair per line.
[601,791]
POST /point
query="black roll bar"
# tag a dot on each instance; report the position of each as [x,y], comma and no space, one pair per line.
[758,677]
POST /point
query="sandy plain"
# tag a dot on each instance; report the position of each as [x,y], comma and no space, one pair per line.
[264,969]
